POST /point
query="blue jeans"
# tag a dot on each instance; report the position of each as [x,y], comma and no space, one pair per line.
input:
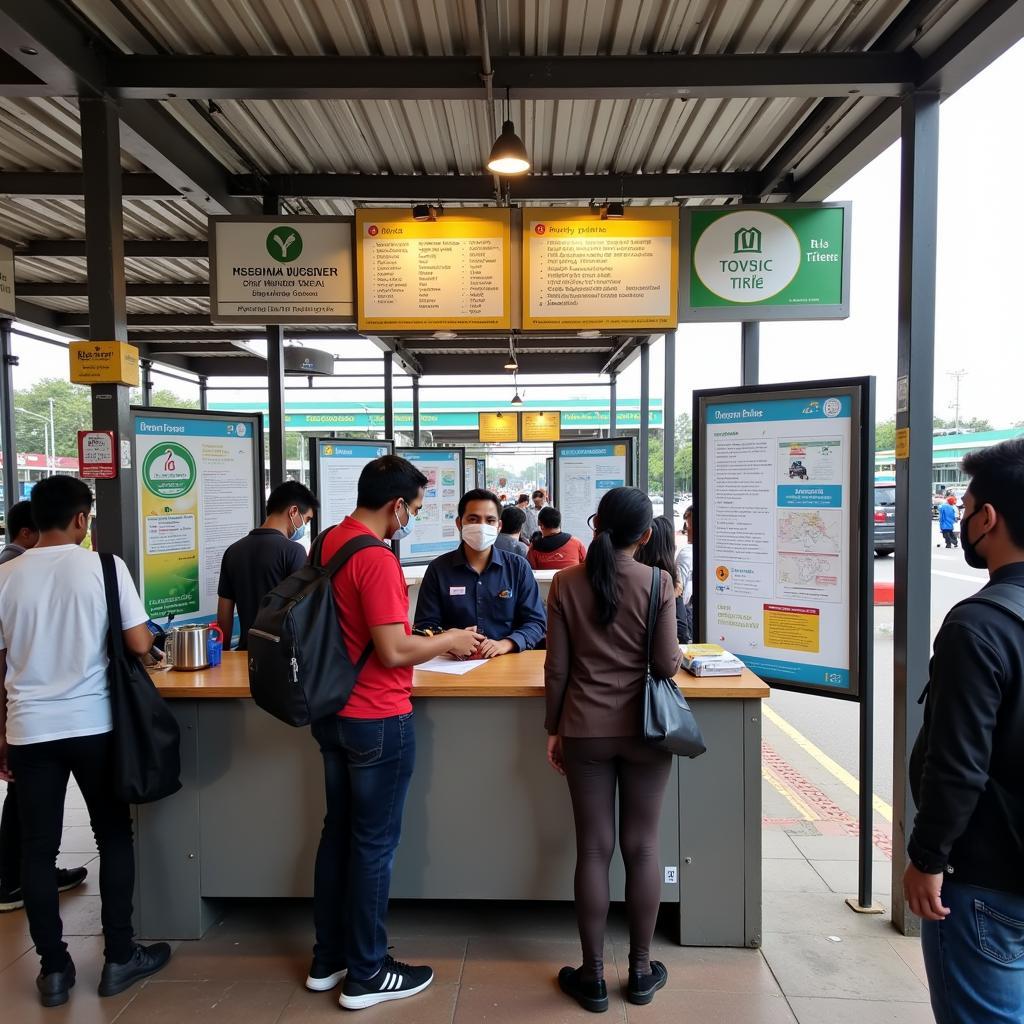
[368,764]
[975,957]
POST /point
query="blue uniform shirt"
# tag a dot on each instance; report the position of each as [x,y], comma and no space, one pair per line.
[503,602]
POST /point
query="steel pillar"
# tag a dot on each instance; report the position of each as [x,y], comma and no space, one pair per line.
[612,389]
[389,394]
[8,440]
[146,374]
[916,363]
[116,525]
[415,412]
[275,382]
[204,393]
[668,416]
[750,352]
[643,437]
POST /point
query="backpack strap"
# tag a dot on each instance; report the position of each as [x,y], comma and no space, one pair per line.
[115,641]
[1008,596]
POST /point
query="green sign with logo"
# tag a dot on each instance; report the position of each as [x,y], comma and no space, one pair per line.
[772,262]
[284,244]
[169,471]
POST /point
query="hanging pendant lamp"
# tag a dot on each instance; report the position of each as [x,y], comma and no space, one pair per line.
[508,154]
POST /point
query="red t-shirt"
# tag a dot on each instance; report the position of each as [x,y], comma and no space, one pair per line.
[370,591]
[571,553]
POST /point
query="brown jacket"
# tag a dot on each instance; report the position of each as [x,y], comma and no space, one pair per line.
[593,674]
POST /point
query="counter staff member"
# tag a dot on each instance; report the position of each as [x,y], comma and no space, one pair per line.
[554,549]
[57,723]
[254,565]
[21,535]
[369,747]
[480,585]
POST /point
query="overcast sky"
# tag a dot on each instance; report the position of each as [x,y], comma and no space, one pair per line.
[981,239]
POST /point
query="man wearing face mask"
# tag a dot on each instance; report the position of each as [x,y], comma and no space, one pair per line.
[966,850]
[481,585]
[254,565]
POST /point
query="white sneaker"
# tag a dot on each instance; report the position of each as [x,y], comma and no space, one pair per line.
[323,979]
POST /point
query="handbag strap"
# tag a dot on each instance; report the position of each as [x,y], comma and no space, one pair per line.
[652,612]
[115,641]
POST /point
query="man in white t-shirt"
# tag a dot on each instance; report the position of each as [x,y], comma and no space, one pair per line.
[57,722]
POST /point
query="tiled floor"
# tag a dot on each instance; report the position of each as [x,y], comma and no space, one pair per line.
[820,963]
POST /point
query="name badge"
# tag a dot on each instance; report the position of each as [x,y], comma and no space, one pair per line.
[456,591]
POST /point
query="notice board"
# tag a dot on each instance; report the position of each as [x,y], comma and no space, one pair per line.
[779,262]
[452,273]
[783,530]
[199,481]
[583,472]
[281,270]
[435,532]
[469,474]
[541,426]
[581,272]
[498,427]
[335,465]
[481,473]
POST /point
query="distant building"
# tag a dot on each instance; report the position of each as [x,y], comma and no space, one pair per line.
[947,451]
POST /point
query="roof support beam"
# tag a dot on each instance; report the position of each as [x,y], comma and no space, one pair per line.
[75,321]
[235,335]
[71,185]
[490,366]
[172,289]
[159,77]
[64,248]
[30,313]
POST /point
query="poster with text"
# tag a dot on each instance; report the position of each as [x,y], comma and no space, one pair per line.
[198,492]
[336,468]
[779,533]
[584,471]
[435,531]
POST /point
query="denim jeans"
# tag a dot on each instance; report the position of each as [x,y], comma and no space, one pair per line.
[975,957]
[368,764]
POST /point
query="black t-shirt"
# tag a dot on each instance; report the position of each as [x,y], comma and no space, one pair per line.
[252,567]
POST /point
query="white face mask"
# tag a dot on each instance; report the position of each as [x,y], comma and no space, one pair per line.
[479,536]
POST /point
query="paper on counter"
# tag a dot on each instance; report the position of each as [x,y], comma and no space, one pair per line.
[450,666]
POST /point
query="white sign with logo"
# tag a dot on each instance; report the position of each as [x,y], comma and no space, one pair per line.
[6,280]
[281,270]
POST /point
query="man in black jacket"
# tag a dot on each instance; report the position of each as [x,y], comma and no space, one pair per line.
[966,876]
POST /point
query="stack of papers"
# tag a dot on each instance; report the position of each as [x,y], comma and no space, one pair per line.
[450,666]
[710,660]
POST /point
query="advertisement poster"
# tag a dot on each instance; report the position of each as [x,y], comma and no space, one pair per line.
[197,494]
[780,533]
[337,465]
[584,471]
[435,532]
[470,474]
[789,262]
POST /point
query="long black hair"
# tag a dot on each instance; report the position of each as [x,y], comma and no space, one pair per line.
[623,516]
[660,550]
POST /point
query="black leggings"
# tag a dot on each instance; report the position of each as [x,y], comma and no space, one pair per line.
[594,767]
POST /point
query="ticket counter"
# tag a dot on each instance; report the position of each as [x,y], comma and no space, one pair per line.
[486,817]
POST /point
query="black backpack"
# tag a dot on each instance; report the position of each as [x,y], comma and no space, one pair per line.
[299,666]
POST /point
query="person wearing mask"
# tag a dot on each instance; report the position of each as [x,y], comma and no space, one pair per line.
[21,535]
[369,747]
[57,722]
[660,550]
[967,767]
[480,585]
[254,565]
[512,520]
[594,683]
[532,510]
[554,549]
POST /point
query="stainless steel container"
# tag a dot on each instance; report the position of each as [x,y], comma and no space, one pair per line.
[185,648]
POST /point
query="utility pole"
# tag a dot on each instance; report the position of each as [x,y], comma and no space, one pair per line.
[955,404]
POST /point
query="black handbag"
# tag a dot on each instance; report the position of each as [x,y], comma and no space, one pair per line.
[147,756]
[668,724]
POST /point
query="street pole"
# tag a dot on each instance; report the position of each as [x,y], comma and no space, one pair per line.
[53,440]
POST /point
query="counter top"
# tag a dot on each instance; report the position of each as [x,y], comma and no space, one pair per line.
[514,675]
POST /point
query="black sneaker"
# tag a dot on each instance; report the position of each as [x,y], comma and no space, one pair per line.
[54,987]
[323,977]
[393,981]
[591,995]
[146,960]
[11,899]
[70,878]
[641,987]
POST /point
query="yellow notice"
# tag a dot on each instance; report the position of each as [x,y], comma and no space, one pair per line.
[792,629]
[499,426]
[542,426]
[104,362]
[582,272]
[450,274]
[903,443]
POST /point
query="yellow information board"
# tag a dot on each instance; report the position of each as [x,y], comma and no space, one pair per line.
[452,273]
[582,272]
[903,443]
[104,362]
[792,629]
[542,426]
[499,426]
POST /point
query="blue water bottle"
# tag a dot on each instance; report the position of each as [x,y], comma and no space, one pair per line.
[214,646]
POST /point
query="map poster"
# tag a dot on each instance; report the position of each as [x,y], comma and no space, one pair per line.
[779,527]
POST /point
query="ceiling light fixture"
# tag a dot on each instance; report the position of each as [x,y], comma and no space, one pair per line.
[613,211]
[508,154]
[511,363]
[516,400]
[444,335]
[422,211]
[588,334]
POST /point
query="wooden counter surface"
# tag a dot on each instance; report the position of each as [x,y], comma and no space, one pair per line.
[514,675]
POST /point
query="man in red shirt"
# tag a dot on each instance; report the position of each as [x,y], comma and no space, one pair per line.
[554,549]
[369,748]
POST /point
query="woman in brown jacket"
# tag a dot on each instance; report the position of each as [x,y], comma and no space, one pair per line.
[594,675]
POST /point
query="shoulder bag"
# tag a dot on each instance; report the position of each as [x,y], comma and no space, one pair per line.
[147,758]
[668,722]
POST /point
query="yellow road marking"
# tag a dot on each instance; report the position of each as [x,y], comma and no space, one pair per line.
[826,762]
[780,787]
